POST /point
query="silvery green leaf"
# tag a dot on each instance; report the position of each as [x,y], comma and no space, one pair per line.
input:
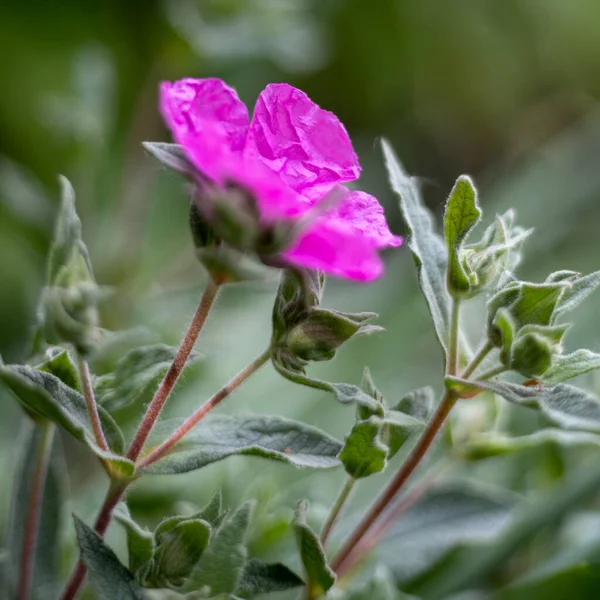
[170,155]
[265,436]
[428,248]
[418,403]
[109,579]
[462,214]
[568,366]
[319,575]
[576,292]
[536,303]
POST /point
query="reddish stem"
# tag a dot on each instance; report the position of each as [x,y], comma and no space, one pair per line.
[34,509]
[193,420]
[170,379]
[403,474]
[113,497]
[90,401]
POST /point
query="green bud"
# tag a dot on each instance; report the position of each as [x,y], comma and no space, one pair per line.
[531,355]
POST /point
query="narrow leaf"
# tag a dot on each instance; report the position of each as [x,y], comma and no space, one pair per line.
[109,579]
[427,247]
[462,214]
[221,567]
[319,574]
[265,436]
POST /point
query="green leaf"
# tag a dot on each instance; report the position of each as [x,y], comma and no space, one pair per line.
[576,292]
[567,366]
[179,551]
[428,249]
[61,365]
[531,355]
[261,578]
[502,299]
[44,395]
[345,393]
[35,451]
[67,237]
[221,567]
[364,453]
[136,374]
[109,579]
[462,214]
[446,517]
[487,445]
[319,575]
[398,428]
[536,303]
[140,541]
[171,155]
[418,403]
[564,405]
[504,327]
[265,436]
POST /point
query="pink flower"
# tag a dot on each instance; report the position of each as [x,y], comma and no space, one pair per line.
[290,156]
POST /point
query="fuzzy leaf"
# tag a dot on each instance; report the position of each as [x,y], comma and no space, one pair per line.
[364,453]
[266,436]
[170,155]
[428,248]
[576,292]
[567,366]
[504,327]
[109,579]
[45,576]
[536,303]
[462,214]
[418,403]
[222,565]
[136,374]
[140,542]
[398,428]
[319,575]
[61,365]
[262,578]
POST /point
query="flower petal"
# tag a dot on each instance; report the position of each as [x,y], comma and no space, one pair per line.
[306,145]
[190,105]
[331,246]
[364,213]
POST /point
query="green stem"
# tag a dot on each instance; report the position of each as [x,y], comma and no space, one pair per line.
[454,335]
[113,497]
[477,359]
[402,475]
[90,401]
[170,379]
[492,373]
[34,510]
[193,420]
[337,507]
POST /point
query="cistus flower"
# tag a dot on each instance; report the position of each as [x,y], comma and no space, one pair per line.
[291,159]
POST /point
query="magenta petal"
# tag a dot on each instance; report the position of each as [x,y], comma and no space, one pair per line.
[364,213]
[332,247]
[306,145]
[190,105]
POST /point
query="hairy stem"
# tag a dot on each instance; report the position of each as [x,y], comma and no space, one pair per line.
[170,379]
[336,509]
[454,337]
[34,509]
[193,420]
[406,470]
[90,402]
[113,497]
[477,359]
[492,373]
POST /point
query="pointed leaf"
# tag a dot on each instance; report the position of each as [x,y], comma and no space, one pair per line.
[170,155]
[536,303]
[136,374]
[140,542]
[576,293]
[262,578]
[428,249]
[266,436]
[567,366]
[462,214]
[418,403]
[61,365]
[364,453]
[221,567]
[319,574]
[109,579]
[398,428]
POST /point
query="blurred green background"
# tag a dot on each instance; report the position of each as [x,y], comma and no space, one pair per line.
[504,91]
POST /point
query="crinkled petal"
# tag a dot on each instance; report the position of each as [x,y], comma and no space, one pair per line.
[332,247]
[190,105]
[307,146]
[364,213]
